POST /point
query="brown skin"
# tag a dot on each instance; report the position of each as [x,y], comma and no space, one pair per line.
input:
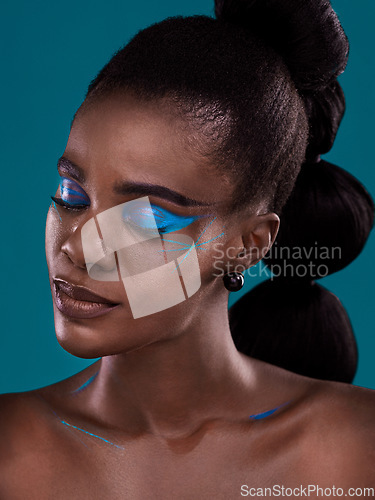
[172,390]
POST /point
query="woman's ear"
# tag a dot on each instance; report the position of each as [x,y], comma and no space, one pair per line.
[250,238]
[258,235]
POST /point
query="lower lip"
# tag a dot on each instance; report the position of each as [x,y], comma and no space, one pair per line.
[78,308]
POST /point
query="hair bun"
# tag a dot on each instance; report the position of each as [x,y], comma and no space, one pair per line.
[304,330]
[307,33]
[324,224]
[325,109]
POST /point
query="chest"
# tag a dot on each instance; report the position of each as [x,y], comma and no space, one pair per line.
[212,463]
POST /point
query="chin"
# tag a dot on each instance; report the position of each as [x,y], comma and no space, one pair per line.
[80,344]
[97,337]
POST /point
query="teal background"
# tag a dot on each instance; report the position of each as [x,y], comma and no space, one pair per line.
[50,52]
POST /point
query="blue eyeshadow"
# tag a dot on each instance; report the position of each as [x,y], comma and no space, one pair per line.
[72,193]
[166,221]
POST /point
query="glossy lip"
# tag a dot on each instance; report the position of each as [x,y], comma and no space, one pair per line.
[79,302]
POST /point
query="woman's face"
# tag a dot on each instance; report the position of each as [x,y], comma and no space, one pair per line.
[121,150]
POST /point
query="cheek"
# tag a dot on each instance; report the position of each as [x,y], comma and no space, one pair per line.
[54,234]
[211,251]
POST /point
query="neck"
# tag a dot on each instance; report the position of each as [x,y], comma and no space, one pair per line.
[172,386]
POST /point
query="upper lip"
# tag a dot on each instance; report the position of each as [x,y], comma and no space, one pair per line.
[79,292]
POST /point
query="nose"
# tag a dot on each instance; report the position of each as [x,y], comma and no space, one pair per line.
[100,259]
[85,249]
[72,248]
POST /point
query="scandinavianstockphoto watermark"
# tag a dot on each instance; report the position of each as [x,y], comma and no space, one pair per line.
[299,262]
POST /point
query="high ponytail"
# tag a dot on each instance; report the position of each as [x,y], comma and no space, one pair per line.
[290,320]
[296,323]
[306,33]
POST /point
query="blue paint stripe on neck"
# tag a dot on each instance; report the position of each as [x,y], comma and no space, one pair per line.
[86,384]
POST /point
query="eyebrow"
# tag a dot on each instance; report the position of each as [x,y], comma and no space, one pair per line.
[128,187]
[125,188]
[70,168]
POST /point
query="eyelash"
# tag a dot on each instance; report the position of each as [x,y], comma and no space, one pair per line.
[68,206]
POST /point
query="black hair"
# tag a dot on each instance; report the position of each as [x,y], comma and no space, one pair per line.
[300,326]
[229,83]
[260,81]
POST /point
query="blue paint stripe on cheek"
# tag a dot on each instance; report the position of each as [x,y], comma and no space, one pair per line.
[54,205]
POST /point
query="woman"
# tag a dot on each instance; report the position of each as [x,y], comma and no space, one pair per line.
[191,136]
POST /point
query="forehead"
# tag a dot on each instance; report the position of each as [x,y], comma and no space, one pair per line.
[121,138]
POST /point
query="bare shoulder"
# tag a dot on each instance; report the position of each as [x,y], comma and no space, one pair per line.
[32,441]
[341,432]
[24,413]
[23,434]
[348,405]
[18,416]
[24,419]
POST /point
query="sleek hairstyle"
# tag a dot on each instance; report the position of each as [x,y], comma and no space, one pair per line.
[260,84]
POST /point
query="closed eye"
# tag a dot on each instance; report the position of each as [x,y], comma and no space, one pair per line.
[155,219]
[72,193]
[72,196]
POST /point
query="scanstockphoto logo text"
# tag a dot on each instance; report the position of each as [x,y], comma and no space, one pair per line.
[299,262]
[313,490]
